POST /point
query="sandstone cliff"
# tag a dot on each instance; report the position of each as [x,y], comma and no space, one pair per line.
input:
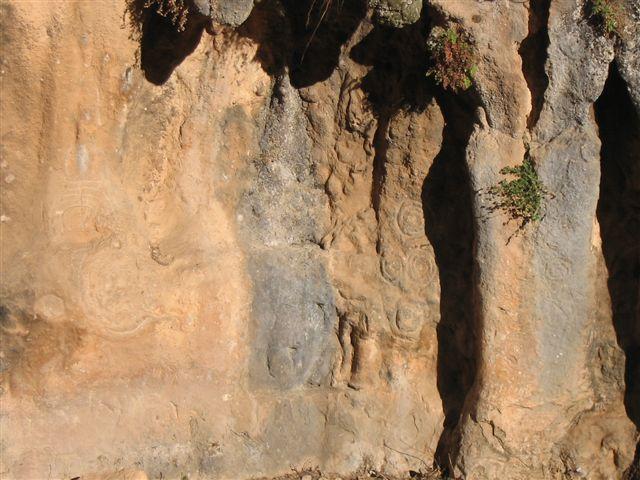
[243,238]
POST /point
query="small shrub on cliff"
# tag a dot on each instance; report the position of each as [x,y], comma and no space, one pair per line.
[521,197]
[453,58]
[603,15]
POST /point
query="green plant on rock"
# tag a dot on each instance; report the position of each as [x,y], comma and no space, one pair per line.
[604,16]
[520,198]
[453,57]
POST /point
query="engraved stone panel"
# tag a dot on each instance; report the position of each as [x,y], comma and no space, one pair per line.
[294,314]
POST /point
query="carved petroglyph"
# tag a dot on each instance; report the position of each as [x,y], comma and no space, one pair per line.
[407,261]
[82,159]
[410,317]
[283,362]
[76,212]
[116,296]
[392,267]
[413,272]
[50,308]
[366,363]
[161,258]
[558,270]
[121,296]
[361,356]
[410,219]
[420,265]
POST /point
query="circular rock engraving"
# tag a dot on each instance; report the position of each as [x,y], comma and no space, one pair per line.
[119,295]
[75,212]
[285,364]
[420,265]
[77,218]
[392,266]
[411,219]
[558,270]
[50,307]
[409,318]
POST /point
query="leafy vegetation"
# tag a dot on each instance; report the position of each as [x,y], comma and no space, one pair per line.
[453,58]
[521,198]
[604,16]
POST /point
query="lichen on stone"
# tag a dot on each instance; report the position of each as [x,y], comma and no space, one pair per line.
[231,12]
[396,13]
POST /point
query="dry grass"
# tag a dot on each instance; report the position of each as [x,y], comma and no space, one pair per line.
[175,10]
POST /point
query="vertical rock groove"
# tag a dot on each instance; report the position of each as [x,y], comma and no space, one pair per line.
[447,205]
[381,145]
[619,216]
[533,51]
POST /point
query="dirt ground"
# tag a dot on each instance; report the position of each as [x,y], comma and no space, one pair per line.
[366,474]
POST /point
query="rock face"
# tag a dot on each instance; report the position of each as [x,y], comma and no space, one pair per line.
[396,13]
[239,239]
[230,12]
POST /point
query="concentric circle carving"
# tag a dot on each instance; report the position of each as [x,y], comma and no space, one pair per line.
[411,219]
[410,318]
[420,265]
[118,296]
[392,267]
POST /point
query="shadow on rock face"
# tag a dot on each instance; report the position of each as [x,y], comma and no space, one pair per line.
[164,43]
[399,61]
[619,217]
[533,51]
[268,27]
[449,225]
[320,29]
[397,80]
[304,37]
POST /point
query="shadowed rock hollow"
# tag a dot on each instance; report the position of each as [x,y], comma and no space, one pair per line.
[241,238]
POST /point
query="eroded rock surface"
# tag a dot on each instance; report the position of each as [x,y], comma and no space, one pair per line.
[259,239]
[396,13]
